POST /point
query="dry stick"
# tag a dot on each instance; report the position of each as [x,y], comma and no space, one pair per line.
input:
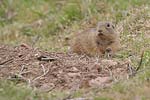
[44,58]
[23,78]
[139,71]
[25,72]
[20,75]
[41,75]
[68,97]
[141,60]
[143,70]
[6,61]
[53,87]
[133,72]
[22,68]
[43,68]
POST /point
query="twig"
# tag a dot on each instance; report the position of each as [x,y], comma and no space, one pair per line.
[53,87]
[22,68]
[44,58]
[25,72]
[43,68]
[68,97]
[6,61]
[41,75]
[143,70]
[21,77]
[141,60]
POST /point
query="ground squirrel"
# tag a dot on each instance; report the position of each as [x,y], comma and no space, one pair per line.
[96,41]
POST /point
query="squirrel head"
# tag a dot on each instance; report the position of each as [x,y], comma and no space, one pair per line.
[106,29]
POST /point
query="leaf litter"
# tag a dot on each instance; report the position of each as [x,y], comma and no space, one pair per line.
[48,71]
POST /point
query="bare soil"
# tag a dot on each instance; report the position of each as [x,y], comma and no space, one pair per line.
[53,70]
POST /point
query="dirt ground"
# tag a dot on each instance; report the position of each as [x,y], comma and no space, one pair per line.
[53,70]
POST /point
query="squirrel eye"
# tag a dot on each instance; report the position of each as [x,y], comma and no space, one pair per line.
[108,25]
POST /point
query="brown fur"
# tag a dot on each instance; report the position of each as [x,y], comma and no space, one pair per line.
[96,41]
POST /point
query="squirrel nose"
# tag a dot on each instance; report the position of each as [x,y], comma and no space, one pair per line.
[100,31]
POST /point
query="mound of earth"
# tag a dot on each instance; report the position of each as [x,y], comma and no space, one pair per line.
[53,70]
